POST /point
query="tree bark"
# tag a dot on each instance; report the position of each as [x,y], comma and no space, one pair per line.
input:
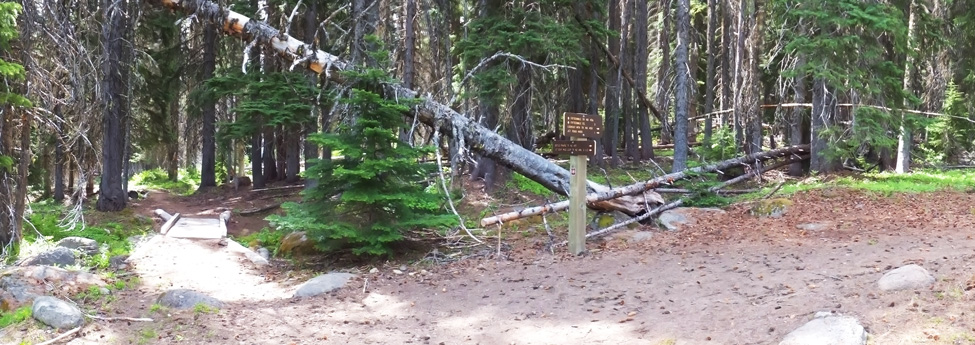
[824,104]
[115,70]
[58,167]
[710,82]
[257,160]
[663,74]
[481,140]
[208,177]
[683,90]
[727,59]
[613,81]
[641,45]
[904,140]
[796,117]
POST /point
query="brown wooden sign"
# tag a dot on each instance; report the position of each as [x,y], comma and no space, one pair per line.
[574,147]
[582,125]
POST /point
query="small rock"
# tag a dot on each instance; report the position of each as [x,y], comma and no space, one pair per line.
[264,253]
[56,313]
[673,219]
[225,216]
[296,244]
[642,236]
[828,329]
[373,270]
[59,256]
[185,299]
[323,284]
[104,291]
[222,242]
[774,208]
[251,255]
[397,272]
[607,219]
[86,246]
[906,278]
[118,262]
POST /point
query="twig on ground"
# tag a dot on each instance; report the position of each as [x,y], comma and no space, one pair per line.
[104,318]
[551,237]
[776,189]
[259,210]
[62,336]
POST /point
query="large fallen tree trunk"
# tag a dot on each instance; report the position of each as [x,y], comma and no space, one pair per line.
[677,203]
[651,184]
[478,138]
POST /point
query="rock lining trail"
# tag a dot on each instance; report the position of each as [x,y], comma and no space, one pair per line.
[731,278]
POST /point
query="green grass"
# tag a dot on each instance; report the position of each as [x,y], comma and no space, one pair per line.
[187,182]
[14,317]
[202,308]
[111,230]
[526,185]
[155,307]
[886,183]
[147,335]
[268,238]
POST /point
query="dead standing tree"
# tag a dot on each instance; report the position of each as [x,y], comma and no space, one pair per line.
[479,139]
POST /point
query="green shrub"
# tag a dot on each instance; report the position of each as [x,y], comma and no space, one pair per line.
[14,317]
[367,200]
[524,184]
[269,238]
[186,183]
[722,146]
[45,223]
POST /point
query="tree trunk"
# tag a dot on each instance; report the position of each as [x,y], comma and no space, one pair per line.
[115,70]
[481,140]
[710,81]
[727,60]
[58,166]
[280,154]
[208,177]
[630,131]
[663,74]
[641,45]
[823,107]
[257,160]
[684,84]
[754,113]
[611,136]
[267,154]
[796,117]
[293,153]
[311,127]
[904,140]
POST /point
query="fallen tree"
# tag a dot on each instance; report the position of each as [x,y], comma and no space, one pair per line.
[679,202]
[651,184]
[465,132]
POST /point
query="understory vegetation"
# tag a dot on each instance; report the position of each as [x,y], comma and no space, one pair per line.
[49,223]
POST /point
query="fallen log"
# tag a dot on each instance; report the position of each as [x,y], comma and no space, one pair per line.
[677,203]
[650,184]
[688,191]
[259,210]
[469,133]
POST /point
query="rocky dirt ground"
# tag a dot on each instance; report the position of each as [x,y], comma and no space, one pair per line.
[731,278]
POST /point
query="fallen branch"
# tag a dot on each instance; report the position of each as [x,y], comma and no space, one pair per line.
[677,203]
[259,210]
[62,336]
[688,191]
[120,318]
[651,184]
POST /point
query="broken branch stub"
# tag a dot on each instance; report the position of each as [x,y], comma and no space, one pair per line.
[650,184]
[478,138]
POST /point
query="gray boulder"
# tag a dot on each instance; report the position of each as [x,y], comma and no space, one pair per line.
[323,284]
[828,329]
[264,253]
[56,313]
[642,236]
[59,256]
[906,278]
[86,246]
[673,219]
[185,299]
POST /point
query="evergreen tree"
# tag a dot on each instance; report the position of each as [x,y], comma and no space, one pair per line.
[371,196]
[12,73]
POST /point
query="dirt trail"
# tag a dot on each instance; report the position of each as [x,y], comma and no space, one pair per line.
[730,279]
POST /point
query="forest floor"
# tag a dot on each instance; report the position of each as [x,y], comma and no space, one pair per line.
[729,279]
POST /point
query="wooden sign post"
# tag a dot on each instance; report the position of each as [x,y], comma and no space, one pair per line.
[580,128]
